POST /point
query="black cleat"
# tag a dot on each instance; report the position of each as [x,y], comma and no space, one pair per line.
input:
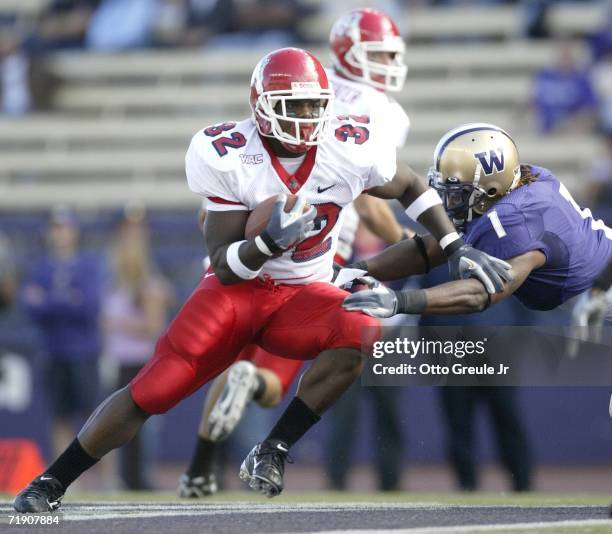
[197,487]
[43,494]
[264,467]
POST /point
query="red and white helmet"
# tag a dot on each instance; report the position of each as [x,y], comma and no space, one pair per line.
[368,30]
[290,74]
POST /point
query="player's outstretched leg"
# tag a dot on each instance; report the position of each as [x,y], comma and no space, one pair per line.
[327,379]
[224,407]
[114,423]
[200,480]
[242,383]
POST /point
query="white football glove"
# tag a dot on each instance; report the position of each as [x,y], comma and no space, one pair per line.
[285,230]
[378,301]
[468,262]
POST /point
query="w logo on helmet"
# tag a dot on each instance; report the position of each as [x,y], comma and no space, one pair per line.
[495,161]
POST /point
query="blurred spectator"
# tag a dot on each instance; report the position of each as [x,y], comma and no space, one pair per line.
[535,15]
[601,40]
[170,28]
[460,404]
[247,22]
[26,84]
[14,75]
[563,95]
[122,24]
[204,19]
[62,25]
[598,189]
[601,49]
[18,343]
[471,2]
[7,273]
[62,294]
[387,435]
[134,312]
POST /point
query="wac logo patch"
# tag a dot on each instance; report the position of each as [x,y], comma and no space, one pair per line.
[251,159]
[494,161]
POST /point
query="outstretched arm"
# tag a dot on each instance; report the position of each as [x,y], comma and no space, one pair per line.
[408,187]
[404,259]
[452,298]
[469,296]
[424,205]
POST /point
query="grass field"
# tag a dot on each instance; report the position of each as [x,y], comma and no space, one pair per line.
[328,512]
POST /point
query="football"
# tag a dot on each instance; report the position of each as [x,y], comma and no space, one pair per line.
[260,216]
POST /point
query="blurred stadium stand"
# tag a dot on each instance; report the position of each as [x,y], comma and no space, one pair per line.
[126,119]
[22,9]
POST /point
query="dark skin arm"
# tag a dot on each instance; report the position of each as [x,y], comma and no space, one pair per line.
[222,229]
[404,259]
[469,296]
[406,187]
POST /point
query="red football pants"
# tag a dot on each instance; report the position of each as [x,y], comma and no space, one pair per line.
[217,321]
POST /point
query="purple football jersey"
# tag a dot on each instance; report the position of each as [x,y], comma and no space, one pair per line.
[543,216]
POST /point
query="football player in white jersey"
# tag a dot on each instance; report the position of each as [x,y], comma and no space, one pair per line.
[272,290]
[367,58]
[367,63]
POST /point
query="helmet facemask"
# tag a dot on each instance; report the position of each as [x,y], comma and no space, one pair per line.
[296,134]
[461,199]
[386,77]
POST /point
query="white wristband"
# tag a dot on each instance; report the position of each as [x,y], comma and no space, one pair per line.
[426,200]
[236,265]
[448,239]
[261,245]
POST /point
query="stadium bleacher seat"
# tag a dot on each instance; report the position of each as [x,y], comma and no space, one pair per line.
[127,118]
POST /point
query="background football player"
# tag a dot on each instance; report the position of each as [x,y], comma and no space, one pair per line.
[273,289]
[367,54]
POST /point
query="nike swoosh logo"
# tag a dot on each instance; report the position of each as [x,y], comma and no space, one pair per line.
[323,189]
[46,478]
[281,448]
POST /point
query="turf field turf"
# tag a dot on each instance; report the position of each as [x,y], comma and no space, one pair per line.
[231,512]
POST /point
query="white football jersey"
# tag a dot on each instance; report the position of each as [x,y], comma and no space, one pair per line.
[233,167]
[356,98]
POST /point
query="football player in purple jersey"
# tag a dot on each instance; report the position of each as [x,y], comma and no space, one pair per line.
[516,212]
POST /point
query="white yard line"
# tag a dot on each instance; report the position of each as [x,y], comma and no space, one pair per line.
[553,525]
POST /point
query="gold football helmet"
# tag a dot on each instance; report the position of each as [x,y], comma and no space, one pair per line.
[474,166]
